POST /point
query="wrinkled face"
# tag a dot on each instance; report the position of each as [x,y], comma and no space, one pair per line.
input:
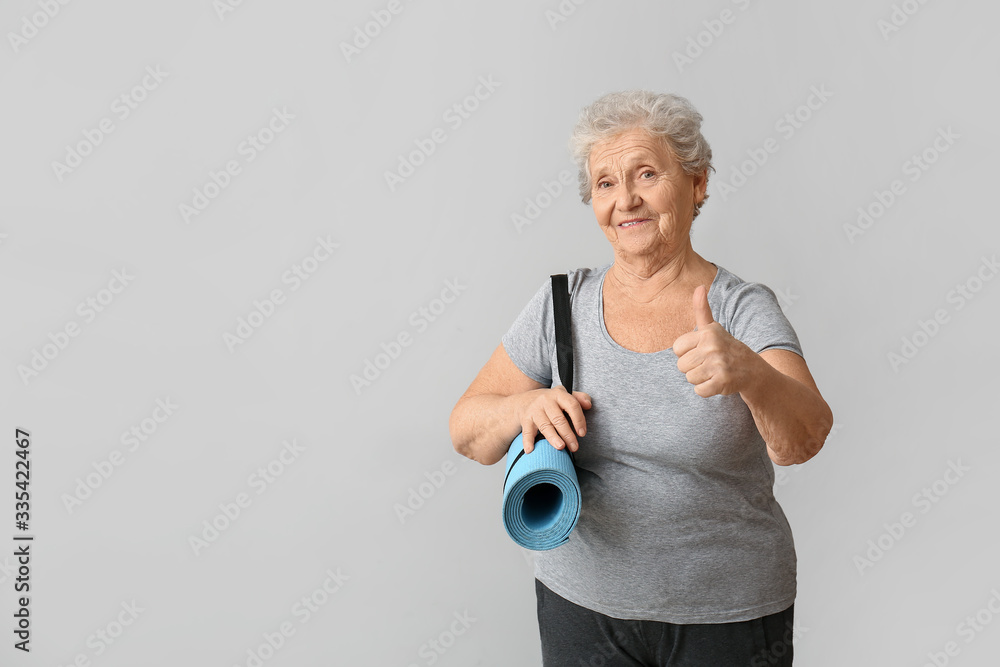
[643,200]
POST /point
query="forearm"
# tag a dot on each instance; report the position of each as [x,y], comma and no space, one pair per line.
[482,427]
[792,419]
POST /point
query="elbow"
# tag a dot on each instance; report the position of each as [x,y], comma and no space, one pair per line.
[462,441]
[786,459]
[458,441]
[802,453]
[808,445]
[467,450]
[821,431]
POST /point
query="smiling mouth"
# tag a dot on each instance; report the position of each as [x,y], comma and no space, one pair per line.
[633,223]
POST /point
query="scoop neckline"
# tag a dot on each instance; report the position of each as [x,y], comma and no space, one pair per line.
[604,328]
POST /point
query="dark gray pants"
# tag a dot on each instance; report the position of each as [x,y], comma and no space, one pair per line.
[574,636]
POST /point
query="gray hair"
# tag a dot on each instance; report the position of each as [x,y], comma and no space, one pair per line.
[668,117]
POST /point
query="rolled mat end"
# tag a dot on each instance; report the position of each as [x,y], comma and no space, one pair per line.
[541,498]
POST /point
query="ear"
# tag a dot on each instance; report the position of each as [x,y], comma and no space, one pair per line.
[700,186]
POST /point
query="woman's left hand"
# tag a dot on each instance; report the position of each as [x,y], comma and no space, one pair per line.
[713,361]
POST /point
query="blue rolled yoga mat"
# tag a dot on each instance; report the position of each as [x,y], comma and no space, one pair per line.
[541,496]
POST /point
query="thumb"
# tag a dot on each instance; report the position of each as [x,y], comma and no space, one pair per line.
[702,311]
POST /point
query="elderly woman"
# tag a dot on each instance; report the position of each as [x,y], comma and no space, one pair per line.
[692,382]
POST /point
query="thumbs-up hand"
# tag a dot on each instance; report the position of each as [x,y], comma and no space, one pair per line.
[711,359]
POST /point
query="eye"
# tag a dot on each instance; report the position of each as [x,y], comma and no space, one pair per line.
[650,173]
[600,186]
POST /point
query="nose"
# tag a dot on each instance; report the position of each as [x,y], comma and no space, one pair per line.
[628,196]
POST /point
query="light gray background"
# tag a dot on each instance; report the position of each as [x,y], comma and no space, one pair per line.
[334,507]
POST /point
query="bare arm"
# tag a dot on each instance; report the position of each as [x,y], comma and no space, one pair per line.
[501,403]
[790,414]
[787,407]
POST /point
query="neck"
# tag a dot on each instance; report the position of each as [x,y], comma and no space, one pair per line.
[647,279]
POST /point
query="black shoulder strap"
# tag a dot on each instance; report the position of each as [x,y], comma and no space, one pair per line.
[564,335]
[564,338]
[564,348]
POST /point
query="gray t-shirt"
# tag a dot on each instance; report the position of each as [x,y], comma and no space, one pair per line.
[679,522]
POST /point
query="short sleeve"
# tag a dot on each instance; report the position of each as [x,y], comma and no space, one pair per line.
[756,319]
[530,342]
